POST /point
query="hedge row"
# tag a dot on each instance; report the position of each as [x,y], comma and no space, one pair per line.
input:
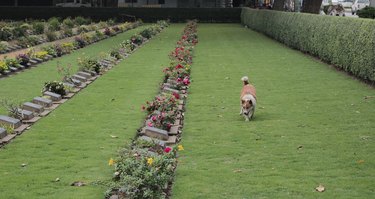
[348,43]
[231,15]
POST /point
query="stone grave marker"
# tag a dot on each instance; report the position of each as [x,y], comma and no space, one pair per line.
[79,77]
[84,74]
[26,115]
[54,96]
[170,90]
[156,133]
[3,133]
[15,123]
[42,101]
[159,142]
[36,108]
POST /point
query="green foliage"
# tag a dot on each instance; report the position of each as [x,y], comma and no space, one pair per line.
[6,33]
[3,46]
[89,63]
[68,22]
[38,28]
[54,24]
[82,21]
[367,12]
[51,35]
[55,87]
[347,43]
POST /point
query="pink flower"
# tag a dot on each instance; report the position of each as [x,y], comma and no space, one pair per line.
[179,79]
[186,81]
[150,124]
[169,126]
[168,149]
[153,118]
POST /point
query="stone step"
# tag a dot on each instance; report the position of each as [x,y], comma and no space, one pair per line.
[54,96]
[15,123]
[42,101]
[3,133]
[35,108]
[156,133]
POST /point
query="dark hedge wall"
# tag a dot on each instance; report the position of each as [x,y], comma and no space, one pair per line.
[146,14]
[348,43]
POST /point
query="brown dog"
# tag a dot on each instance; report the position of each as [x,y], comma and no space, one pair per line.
[248,99]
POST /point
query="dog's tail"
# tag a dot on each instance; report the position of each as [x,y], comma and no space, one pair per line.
[245,80]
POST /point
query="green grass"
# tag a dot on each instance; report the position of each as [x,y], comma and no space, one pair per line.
[29,83]
[74,142]
[301,102]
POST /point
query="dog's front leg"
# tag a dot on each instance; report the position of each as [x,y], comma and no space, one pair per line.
[241,110]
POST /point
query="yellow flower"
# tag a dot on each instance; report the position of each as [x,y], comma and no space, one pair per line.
[150,161]
[180,147]
[111,162]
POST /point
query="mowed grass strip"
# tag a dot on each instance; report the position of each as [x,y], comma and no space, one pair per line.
[28,84]
[74,142]
[312,124]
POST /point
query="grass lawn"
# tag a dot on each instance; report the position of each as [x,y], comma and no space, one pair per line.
[74,142]
[312,124]
[29,83]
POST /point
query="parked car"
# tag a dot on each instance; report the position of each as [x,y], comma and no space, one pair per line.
[359,4]
[74,3]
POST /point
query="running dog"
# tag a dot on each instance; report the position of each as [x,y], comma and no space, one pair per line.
[248,99]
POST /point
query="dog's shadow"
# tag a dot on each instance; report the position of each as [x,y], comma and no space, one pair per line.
[256,118]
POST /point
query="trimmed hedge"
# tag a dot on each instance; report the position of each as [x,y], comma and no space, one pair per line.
[227,15]
[348,43]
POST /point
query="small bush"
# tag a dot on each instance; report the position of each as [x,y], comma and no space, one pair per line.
[82,21]
[68,22]
[67,32]
[367,12]
[55,87]
[6,33]
[3,46]
[54,24]
[51,35]
[38,28]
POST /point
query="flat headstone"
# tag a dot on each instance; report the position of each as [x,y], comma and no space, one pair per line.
[93,73]
[171,81]
[26,115]
[79,77]
[12,48]
[38,59]
[170,90]
[49,56]
[68,84]
[36,108]
[33,62]
[173,130]
[159,142]
[6,72]
[76,82]
[156,133]
[171,140]
[105,64]
[3,133]
[84,74]
[21,66]
[13,69]
[53,96]
[15,123]
[42,101]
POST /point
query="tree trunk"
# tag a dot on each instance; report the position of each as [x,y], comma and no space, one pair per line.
[278,5]
[311,6]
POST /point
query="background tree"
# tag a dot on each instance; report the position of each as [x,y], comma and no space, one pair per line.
[278,5]
[311,6]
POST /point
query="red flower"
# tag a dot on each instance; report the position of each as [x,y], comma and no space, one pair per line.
[186,81]
[150,124]
[176,95]
[153,118]
[169,126]
[168,149]
[179,66]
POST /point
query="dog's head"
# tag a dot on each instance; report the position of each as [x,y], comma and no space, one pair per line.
[247,106]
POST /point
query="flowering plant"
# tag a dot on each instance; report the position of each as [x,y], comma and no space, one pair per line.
[107,31]
[41,54]
[162,103]
[55,87]
[23,59]
[3,66]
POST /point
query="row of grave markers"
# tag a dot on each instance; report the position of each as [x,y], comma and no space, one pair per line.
[31,112]
[35,61]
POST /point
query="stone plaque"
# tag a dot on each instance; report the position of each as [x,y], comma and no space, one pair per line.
[36,108]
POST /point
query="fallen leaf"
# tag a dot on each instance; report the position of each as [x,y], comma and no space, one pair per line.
[23,165]
[220,116]
[113,136]
[78,184]
[57,179]
[237,171]
[320,188]
[227,78]
[361,161]
[299,147]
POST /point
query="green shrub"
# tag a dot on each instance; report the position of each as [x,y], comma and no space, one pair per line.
[367,12]
[54,24]
[19,31]
[55,87]
[38,28]
[347,43]
[82,21]
[3,46]
[6,33]
[68,22]
[51,35]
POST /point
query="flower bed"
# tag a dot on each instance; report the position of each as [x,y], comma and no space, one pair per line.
[31,58]
[57,92]
[145,168]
